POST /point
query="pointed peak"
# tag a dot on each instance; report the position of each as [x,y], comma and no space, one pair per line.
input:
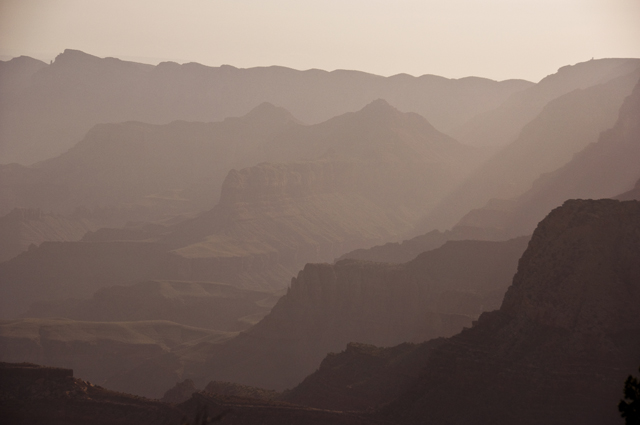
[379,105]
[71,54]
[267,110]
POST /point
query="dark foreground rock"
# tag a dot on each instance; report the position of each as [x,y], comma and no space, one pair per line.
[33,395]
[563,342]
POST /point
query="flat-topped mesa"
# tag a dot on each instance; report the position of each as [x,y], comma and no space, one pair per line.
[581,270]
[292,180]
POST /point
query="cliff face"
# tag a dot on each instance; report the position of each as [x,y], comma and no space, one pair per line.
[581,271]
[565,338]
[328,306]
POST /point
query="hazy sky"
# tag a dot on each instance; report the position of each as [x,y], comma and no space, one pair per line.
[497,39]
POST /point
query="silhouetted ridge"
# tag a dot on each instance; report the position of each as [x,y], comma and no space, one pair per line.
[268,112]
[616,155]
[565,338]
[77,91]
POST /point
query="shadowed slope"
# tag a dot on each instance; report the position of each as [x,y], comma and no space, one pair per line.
[502,125]
[564,127]
[563,341]
[603,169]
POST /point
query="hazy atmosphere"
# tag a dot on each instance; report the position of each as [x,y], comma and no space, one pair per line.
[497,39]
[345,213]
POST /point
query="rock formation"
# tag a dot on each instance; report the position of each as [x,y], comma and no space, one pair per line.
[272,218]
[327,306]
[565,338]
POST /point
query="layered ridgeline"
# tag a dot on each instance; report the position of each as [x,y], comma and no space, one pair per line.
[562,128]
[603,169]
[144,171]
[46,109]
[271,219]
[328,306]
[205,305]
[564,340]
[99,351]
[557,351]
[502,125]
[23,227]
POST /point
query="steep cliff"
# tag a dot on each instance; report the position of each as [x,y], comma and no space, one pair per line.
[327,306]
[565,338]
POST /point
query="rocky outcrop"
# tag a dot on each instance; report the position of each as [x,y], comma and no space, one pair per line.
[32,394]
[564,340]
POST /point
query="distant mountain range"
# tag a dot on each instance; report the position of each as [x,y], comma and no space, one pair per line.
[46,109]
[603,169]
[564,126]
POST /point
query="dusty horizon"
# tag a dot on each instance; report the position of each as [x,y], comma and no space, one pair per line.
[497,39]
